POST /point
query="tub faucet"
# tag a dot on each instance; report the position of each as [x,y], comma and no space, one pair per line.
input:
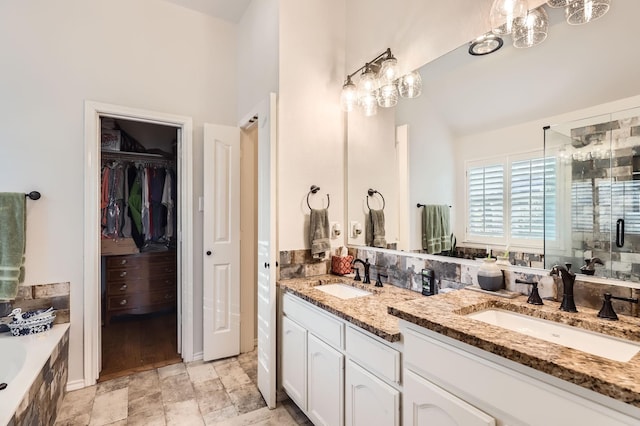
[366,265]
[568,278]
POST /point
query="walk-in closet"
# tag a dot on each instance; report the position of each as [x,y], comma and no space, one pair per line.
[138,227]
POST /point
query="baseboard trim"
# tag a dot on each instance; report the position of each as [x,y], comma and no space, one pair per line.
[198,356]
[75,385]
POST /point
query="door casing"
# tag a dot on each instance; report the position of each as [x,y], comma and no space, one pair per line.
[92,322]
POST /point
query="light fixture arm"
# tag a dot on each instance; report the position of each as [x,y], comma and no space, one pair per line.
[374,63]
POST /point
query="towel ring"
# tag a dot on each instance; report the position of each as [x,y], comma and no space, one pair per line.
[313,190]
[371,192]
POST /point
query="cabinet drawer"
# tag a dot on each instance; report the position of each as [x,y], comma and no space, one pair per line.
[141,273]
[127,287]
[137,300]
[322,325]
[375,356]
[140,260]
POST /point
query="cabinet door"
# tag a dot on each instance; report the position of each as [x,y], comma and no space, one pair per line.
[427,404]
[294,362]
[325,383]
[369,401]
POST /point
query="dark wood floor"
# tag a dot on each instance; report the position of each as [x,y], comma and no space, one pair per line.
[136,343]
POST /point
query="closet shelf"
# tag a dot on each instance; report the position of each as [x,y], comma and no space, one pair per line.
[132,156]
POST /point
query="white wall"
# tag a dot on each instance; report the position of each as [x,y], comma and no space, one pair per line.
[257,55]
[310,122]
[55,55]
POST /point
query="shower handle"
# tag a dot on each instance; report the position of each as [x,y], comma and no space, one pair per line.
[620,233]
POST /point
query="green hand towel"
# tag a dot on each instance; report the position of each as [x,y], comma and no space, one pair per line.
[12,243]
[375,232]
[435,229]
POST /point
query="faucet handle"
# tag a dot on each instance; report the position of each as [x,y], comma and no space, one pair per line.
[534,296]
[607,311]
[357,277]
[379,281]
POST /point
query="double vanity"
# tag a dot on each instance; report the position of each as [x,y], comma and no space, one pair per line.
[357,354]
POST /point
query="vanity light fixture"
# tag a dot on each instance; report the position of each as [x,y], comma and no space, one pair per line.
[485,44]
[532,30]
[580,12]
[379,84]
[505,14]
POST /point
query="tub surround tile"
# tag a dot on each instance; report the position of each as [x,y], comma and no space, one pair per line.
[369,312]
[444,314]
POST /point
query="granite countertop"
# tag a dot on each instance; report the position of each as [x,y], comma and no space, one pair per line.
[368,312]
[444,314]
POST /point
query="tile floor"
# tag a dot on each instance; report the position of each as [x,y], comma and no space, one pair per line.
[221,392]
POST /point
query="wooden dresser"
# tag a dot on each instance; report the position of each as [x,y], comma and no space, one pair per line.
[140,283]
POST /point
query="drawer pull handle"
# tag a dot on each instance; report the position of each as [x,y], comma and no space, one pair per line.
[167,296]
[123,287]
[123,302]
[123,273]
[123,262]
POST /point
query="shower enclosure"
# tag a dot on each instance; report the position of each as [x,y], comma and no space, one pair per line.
[592,195]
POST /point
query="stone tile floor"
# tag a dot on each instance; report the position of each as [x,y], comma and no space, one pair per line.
[221,392]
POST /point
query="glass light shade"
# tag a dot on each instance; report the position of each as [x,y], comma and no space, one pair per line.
[388,95]
[505,13]
[349,96]
[368,83]
[582,11]
[389,71]
[410,85]
[531,31]
[559,3]
[369,104]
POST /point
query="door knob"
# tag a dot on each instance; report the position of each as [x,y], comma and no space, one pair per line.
[208,252]
[266,265]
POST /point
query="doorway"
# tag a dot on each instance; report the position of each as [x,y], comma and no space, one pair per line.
[138,212]
[95,113]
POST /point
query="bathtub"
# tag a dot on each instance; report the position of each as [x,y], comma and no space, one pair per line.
[21,362]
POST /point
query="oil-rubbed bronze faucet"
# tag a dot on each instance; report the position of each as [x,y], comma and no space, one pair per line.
[366,264]
[568,278]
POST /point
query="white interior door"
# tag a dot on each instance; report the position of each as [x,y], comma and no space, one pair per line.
[267,250]
[221,242]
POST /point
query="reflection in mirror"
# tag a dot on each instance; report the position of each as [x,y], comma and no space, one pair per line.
[487,113]
[597,174]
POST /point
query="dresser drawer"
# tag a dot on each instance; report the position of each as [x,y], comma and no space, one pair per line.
[137,301]
[377,357]
[322,325]
[146,272]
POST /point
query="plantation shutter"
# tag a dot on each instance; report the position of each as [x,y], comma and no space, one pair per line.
[486,200]
[527,207]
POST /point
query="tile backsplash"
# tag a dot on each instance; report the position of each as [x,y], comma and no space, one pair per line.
[404,270]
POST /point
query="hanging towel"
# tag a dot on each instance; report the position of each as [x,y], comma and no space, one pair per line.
[319,233]
[12,243]
[436,236]
[375,234]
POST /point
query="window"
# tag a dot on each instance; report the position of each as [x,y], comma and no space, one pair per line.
[486,200]
[510,209]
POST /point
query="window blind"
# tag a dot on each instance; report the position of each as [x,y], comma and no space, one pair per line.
[486,200]
[527,206]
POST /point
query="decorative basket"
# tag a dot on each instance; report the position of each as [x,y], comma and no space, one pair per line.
[31,322]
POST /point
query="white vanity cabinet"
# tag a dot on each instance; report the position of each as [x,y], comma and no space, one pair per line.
[325,375]
[444,375]
[369,400]
[426,404]
[337,373]
[294,362]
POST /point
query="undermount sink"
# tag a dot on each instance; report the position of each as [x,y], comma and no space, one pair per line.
[572,337]
[342,291]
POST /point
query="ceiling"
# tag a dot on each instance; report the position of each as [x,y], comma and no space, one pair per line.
[229,10]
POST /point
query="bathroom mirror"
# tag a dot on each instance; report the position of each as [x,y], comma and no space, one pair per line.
[475,108]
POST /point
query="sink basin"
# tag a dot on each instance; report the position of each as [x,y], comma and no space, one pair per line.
[572,337]
[342,291]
